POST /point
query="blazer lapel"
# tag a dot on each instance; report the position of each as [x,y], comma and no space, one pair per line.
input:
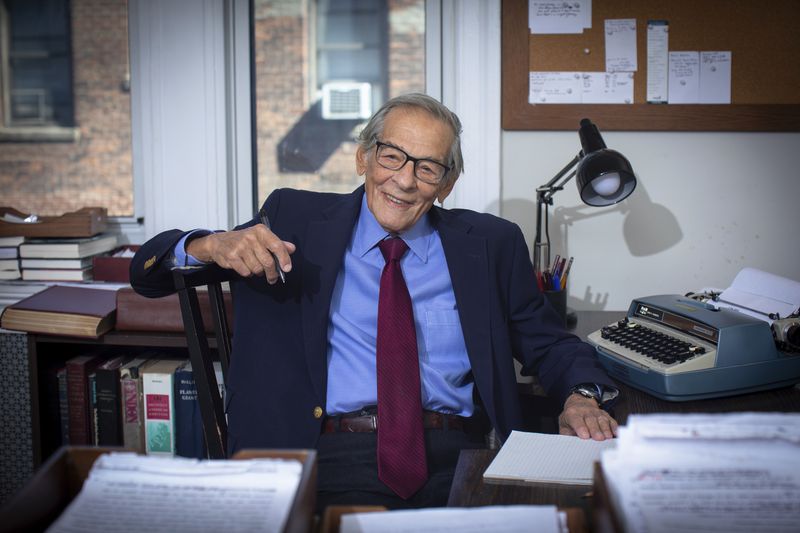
[326,241]
[468,264]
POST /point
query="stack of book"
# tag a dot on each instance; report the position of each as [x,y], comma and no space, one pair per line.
[62,259]
[146,403]
[9,257]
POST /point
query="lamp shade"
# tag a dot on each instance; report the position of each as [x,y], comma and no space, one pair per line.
[604,177]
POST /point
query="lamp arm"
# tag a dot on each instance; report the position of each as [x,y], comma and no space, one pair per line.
[544,197]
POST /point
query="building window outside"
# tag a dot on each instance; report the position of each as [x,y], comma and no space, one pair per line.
[321,68]
[65,133]
[37,73]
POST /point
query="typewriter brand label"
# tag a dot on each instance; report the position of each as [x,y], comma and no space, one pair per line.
[649,312]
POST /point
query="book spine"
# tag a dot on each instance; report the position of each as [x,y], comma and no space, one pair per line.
[159,422]
[109,429]
[131,407]
[78,402]
[63,407]
[93,406]
[189,441]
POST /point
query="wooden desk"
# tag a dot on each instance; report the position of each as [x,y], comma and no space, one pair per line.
[469,489]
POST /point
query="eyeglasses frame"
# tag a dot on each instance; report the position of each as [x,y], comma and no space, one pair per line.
[413,160]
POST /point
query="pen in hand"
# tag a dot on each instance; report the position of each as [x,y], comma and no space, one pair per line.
[264,220]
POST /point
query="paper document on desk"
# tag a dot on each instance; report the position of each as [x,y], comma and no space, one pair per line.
[761,295]
[497,519]
[735,472]
[544,458]
[129,492]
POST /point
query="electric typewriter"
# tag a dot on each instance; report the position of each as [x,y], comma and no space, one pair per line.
[678,349]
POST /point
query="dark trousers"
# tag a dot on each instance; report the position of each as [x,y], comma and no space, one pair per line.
[347,469]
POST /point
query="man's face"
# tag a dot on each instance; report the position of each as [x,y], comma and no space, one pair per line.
[396,198]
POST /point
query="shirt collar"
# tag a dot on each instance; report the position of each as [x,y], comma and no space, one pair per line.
[368,233]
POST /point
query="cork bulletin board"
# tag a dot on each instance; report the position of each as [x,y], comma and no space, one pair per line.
[765,75]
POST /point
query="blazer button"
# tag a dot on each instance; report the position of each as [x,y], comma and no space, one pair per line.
[318,412]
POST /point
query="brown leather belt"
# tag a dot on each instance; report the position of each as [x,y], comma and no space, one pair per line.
[369,423]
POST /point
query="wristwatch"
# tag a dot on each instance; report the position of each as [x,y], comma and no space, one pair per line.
[602,395]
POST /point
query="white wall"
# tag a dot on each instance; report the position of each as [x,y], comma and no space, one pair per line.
[706,205]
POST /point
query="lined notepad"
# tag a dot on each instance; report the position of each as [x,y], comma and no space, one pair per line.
[545,458]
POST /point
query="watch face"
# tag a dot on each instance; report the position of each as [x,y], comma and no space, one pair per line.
[588,393]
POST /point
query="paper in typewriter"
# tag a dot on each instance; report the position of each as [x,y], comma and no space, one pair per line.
[761,295]
[129,492]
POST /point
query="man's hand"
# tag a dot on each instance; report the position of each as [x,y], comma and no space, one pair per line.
[246,251]
[583,417]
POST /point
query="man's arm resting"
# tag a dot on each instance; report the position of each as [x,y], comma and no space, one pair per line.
[247,251]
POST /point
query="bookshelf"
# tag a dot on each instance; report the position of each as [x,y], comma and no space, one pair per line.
[46,353]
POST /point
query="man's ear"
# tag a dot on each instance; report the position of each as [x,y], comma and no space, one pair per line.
[445,191]
[361,160]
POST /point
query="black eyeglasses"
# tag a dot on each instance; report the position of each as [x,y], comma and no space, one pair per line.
[425,170]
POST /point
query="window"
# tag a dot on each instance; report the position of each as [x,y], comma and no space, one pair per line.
[37,70]
[65,129]
[322,67]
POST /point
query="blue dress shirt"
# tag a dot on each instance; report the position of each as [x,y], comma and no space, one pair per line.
[352,329]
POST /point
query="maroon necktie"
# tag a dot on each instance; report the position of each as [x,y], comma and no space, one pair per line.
[401,437]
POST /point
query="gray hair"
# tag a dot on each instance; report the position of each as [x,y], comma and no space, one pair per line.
[436,109]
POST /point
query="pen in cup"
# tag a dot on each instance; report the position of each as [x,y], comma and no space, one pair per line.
[264,220]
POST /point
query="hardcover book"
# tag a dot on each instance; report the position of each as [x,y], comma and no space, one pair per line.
[8,252]
[63,310]
[63,406]
[138,313]
[67,248]
[58,264]
[54,274]
[78,399]
[11,241]
[93,406]
[10,274]
[109,402]
[189,440]
[9,264]
[132,408]
[159,406]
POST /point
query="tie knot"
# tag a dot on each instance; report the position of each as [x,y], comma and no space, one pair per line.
[393,249]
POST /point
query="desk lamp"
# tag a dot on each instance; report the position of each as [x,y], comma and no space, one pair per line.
[604,177]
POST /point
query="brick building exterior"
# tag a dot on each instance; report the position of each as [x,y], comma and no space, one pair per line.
[283,93]
[94,169]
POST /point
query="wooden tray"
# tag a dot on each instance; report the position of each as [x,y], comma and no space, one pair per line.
[84,222]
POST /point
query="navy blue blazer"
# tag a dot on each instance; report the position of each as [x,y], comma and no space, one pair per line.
[276,387]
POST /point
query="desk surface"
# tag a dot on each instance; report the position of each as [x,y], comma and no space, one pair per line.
[469,489]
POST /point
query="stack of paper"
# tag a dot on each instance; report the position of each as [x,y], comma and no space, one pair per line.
[497,519]
[544,458]
[129,492]
[731,472]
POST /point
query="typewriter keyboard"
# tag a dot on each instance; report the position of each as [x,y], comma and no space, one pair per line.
[653,348]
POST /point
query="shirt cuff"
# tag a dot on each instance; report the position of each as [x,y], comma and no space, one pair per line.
[180,257]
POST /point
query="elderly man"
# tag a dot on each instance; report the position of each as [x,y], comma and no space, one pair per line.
[385,331]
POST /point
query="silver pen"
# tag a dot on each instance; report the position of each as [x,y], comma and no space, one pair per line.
[264,220]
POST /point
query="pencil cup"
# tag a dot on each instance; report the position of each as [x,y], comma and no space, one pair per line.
[558,300]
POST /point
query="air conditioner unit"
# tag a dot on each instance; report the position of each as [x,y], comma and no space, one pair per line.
[346,100]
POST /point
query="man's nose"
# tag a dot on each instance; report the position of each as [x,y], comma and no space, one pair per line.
[405,175]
